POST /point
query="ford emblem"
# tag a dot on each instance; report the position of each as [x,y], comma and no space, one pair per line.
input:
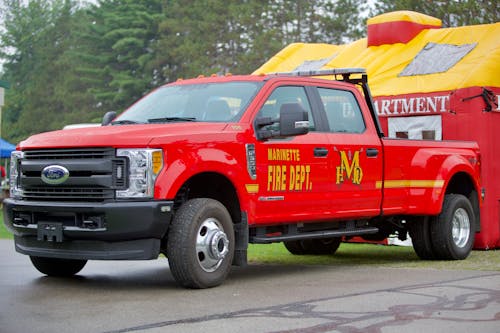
[55,174]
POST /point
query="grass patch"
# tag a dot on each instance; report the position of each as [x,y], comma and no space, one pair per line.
[350,254]
[4,234]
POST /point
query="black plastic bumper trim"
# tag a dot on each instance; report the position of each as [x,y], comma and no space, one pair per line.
[141,249]
[120,221]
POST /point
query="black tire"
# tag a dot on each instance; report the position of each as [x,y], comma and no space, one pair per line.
[294,247]
[58,267]
[452,233]
[325,245]
[313,246]
[200,244]
[420,233]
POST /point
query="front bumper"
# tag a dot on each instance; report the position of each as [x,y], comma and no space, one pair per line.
[116,230]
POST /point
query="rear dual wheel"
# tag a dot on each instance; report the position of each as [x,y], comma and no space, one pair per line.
[453,233]
[450,235]
[313,246]
[420,234]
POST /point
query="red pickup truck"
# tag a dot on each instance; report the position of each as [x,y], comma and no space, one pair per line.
[199,168]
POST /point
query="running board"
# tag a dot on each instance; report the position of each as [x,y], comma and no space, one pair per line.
[280,237]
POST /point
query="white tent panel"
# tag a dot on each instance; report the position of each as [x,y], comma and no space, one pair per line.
[419,127]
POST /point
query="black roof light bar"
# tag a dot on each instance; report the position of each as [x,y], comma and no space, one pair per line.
[324,72]
[344,72]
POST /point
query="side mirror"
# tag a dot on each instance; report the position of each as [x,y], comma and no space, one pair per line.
[293,121]
[108,118]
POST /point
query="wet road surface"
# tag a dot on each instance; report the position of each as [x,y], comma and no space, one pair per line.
[141,296]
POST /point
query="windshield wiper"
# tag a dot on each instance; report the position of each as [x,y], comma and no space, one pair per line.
[170,119]
[125,122]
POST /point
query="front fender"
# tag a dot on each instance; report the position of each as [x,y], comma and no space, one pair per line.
[184,164]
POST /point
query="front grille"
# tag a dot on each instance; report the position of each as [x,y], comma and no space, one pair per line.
[53,154]
[94,174]
[68,194]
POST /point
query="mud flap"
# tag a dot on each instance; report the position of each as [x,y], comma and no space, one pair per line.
[241,241]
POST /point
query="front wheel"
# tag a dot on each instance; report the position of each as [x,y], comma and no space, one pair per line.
[200,244]
[57,267]
[452,233]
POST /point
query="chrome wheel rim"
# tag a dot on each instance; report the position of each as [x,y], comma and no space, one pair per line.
[212,245]
[460,227]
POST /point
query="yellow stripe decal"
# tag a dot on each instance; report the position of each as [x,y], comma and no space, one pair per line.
[252,188]
[410,183]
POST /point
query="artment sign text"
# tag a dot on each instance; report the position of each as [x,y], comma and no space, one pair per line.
[415,105]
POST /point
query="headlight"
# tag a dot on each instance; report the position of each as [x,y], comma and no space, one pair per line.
[144,167]
[16,191]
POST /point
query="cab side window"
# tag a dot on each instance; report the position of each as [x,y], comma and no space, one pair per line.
[282,97]
[342,111]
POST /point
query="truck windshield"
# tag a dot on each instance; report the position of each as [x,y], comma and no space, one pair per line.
[207,102]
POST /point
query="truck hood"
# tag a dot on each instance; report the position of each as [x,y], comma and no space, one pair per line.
[120,135]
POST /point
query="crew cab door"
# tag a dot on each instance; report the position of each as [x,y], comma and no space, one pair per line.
[292,173]
[355,152]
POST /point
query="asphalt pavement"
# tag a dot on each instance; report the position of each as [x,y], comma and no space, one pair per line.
[141,296]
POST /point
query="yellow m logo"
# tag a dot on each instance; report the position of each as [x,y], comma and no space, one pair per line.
[349,168]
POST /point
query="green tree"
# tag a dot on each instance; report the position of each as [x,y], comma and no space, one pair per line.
[212,36]
[200,36]
[453,13]
[69,64]
[35,36]
[322,21]
[115,51]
